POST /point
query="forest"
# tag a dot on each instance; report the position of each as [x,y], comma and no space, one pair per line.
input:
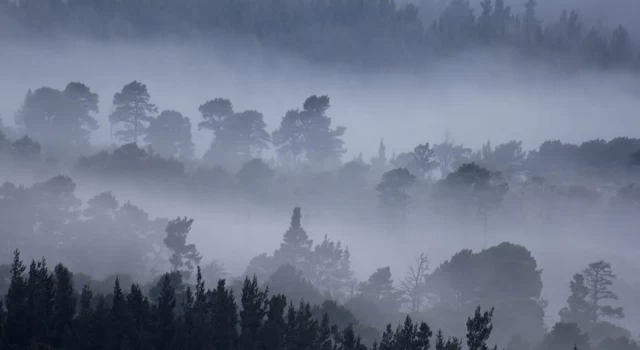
[110,289]
[156,196]
[366,33]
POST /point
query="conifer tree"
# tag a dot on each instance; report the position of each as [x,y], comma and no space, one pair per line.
[254,303]
[184,255]
[64,306]
[17,327]
[273,331]
[132,107]
[295,248]
[599,278]
[479,329]
[118,315]
[84,321]
[40,299]
[139,313]
[224,317]
[165,323]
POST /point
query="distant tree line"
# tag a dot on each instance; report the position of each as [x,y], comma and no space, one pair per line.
[371,32]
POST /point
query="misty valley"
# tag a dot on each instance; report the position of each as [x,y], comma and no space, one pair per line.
[319,175]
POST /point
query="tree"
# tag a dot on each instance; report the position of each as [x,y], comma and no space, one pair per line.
[254,310]
[215,112]
[620,48]
[331,269]
[295,248]
[379,163]
[238,137]
[379,288]
[474,186]
[424,158]
[392,189]
[26,149]
[170,135]
[255,176]
[17,328]
[566,336]
[133,109]
[450,156]
[578,308]
[308,134]
[599,278]
[184,255]
[531,24]
[414,284]
[64,306]
[165,326]
[224,317]
[479,329]
[49,114]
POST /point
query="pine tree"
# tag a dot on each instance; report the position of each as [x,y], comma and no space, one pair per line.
[254,303]
[325,334]
[578,308]
[224,317]
[3,341]
[101,325]
[139,312]
[479,329]
[165,323]
[133,109]
[64,306]
[273,331]
[201,326]
[295,248]
[599,278]
[184,255]
[17,322]
[118,315]
[84,321]
[40,299]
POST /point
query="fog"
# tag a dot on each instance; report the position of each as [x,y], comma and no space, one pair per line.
[467,98]
[477,96]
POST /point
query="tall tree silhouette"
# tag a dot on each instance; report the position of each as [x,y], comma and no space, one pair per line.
[184,255]
[133,109]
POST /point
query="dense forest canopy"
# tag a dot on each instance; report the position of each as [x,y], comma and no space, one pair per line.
[375,33]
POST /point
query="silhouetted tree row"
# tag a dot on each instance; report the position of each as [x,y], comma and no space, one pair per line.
[43,310]
[371,32]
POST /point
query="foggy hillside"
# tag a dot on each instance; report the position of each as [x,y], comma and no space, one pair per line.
[339,175]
